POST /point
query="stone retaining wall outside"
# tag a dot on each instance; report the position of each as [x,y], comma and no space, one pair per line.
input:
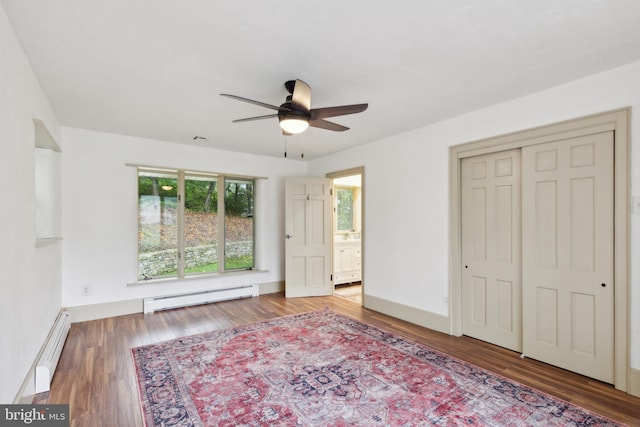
[156,263]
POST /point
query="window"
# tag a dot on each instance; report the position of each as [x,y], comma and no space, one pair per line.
[200,224]
[238,223]
[186,229]
[344,209]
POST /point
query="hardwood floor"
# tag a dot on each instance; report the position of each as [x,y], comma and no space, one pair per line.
[350,291]
[95,375]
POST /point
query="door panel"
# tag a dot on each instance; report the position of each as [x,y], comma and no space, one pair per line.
[491,294]
[504,315]
[504,223]
[582,241]
[308,237]
[546,230]
[568,254]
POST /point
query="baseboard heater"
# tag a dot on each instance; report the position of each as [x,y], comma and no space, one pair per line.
[50,355]
[197,298]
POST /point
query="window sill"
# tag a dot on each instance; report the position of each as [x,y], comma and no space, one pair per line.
[196,277]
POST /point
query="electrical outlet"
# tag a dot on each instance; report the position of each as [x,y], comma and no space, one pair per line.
[445,300]
[85,291]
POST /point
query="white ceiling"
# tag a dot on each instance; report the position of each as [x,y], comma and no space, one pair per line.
[155,68]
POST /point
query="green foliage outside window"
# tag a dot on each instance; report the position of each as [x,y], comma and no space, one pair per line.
[344,209]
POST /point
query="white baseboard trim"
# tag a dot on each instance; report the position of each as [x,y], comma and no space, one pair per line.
[271,287]
[634,382]
[28,388]
[84,313]
[424,318]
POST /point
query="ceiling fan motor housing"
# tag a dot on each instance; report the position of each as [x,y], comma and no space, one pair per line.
[290,112]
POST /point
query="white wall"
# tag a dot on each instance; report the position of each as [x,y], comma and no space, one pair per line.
[30,275]
[100,213]
[406,187]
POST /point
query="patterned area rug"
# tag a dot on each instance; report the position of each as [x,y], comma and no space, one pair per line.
[326,369]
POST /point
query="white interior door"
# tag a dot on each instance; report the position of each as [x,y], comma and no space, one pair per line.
[568,254]
[491,246]
[308,237]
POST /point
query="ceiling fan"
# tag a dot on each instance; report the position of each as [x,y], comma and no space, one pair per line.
[295,115]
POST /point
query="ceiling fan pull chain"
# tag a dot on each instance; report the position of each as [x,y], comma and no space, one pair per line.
[302,146]
[285,146]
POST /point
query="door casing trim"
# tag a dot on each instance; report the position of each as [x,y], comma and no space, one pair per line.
[616,120]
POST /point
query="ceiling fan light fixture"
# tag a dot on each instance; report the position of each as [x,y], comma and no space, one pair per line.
[294,125]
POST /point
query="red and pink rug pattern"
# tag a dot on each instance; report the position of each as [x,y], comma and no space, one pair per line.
[326,369]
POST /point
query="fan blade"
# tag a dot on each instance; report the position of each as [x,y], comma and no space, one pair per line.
[251,101]
[249,119]
[324,124]
[323,113]
[301,96]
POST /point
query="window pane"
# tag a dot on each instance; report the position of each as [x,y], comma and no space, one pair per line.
[200,224]
[157,225]
[344,209]
[238,205]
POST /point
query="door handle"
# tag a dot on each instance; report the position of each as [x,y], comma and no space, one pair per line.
[288,236]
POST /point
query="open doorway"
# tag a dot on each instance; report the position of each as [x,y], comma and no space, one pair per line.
[348,234]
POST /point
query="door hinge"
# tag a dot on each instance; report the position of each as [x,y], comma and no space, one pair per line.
[331,277]
[331,191]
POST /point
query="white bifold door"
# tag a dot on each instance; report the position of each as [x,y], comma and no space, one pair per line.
[537,252]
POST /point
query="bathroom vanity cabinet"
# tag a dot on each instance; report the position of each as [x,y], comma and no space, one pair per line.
[347,260]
